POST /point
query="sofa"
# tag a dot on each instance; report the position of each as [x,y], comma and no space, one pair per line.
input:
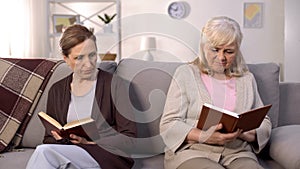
[145,95]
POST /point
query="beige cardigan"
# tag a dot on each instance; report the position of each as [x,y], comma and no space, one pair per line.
[185,98]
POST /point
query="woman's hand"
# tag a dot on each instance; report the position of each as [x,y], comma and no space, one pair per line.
[56,135]
[79,140]
[74,138]
[213,136]
[249,136]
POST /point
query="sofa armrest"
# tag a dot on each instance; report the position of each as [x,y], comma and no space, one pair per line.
[284,147]
[289,108]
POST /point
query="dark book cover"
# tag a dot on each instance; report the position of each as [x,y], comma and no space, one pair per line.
[212,115]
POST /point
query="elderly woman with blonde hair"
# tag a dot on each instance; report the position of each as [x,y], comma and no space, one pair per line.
[219,76]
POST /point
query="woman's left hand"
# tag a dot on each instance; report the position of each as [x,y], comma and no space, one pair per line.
[79,140]
[249,136]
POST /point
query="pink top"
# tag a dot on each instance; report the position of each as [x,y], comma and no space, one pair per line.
[222,92]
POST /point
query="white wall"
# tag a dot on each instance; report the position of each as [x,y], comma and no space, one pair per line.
[292,41]
[178,40]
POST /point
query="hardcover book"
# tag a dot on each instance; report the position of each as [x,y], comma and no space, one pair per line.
[84,127]
[213,115]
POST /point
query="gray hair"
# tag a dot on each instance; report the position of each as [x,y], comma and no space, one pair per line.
[220,31]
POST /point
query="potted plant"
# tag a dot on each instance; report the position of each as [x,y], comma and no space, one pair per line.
[107,21]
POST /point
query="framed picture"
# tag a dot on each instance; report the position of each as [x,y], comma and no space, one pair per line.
[60,22]
[253,15]
[107,56]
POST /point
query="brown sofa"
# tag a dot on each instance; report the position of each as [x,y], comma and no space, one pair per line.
[147,88]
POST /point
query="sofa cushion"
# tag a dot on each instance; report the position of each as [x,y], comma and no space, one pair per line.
[267,79]
[15,159]
[285,147]
[289,104]
[109,66]
[269,163]
[149,81]
[22,83]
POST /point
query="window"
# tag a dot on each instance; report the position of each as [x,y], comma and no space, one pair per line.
[13,28]
[24,29]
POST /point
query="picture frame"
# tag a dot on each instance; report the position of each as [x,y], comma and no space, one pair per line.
[253,14]
[108,56]
[60,22]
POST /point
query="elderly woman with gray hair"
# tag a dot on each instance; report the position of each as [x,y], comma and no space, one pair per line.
[219,76]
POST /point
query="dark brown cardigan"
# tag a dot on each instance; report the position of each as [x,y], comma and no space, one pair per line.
[111,131]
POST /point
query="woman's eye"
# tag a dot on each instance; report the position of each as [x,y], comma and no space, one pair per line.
[214,50]
[79,57]
[92,54]
[230,52]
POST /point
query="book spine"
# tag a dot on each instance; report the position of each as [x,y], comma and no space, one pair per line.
[203,115]
[234,126]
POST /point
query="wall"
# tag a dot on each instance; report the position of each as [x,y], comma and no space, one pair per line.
[292,41]
[178,40]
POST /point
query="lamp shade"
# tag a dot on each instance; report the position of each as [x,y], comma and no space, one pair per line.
[148,43]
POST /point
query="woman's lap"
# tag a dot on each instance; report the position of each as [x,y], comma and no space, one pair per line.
[205,163]
[71,156]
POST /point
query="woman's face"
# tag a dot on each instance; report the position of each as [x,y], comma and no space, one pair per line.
[220,58]
[82,59]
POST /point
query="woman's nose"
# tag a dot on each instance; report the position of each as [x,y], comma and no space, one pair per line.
[87,62]
[221,55]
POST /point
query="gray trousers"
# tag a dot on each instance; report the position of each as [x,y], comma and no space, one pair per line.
[55,156]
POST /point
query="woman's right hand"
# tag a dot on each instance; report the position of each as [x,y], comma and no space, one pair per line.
[74,139]
[214,136]
[79,140]
[56,135]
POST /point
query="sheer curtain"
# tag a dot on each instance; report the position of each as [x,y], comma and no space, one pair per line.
[23,29]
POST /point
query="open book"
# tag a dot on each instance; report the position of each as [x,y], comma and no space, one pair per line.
[213,115]
[84,127]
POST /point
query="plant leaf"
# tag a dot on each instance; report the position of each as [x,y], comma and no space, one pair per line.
[100,17]
[112,17]
[107,19]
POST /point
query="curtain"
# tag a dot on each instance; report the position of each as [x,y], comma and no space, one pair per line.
[23,29]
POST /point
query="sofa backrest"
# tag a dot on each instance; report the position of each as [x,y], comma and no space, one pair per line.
[267,79]
[149,84]
[151,80]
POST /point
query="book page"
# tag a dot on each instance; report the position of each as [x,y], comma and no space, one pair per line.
[77,123]
[222,110]
[50,120]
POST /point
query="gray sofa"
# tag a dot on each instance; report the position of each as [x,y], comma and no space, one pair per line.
[147,88]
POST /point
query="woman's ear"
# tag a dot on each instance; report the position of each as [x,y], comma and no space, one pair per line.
[69,62]
[66,59]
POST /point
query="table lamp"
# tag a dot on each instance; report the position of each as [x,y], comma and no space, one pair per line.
[148,44]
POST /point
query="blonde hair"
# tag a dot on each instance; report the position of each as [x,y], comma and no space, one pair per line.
[220,31]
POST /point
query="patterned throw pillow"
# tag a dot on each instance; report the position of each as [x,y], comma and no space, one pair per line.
[22,82]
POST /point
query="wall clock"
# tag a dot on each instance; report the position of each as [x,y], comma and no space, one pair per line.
[179,9]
